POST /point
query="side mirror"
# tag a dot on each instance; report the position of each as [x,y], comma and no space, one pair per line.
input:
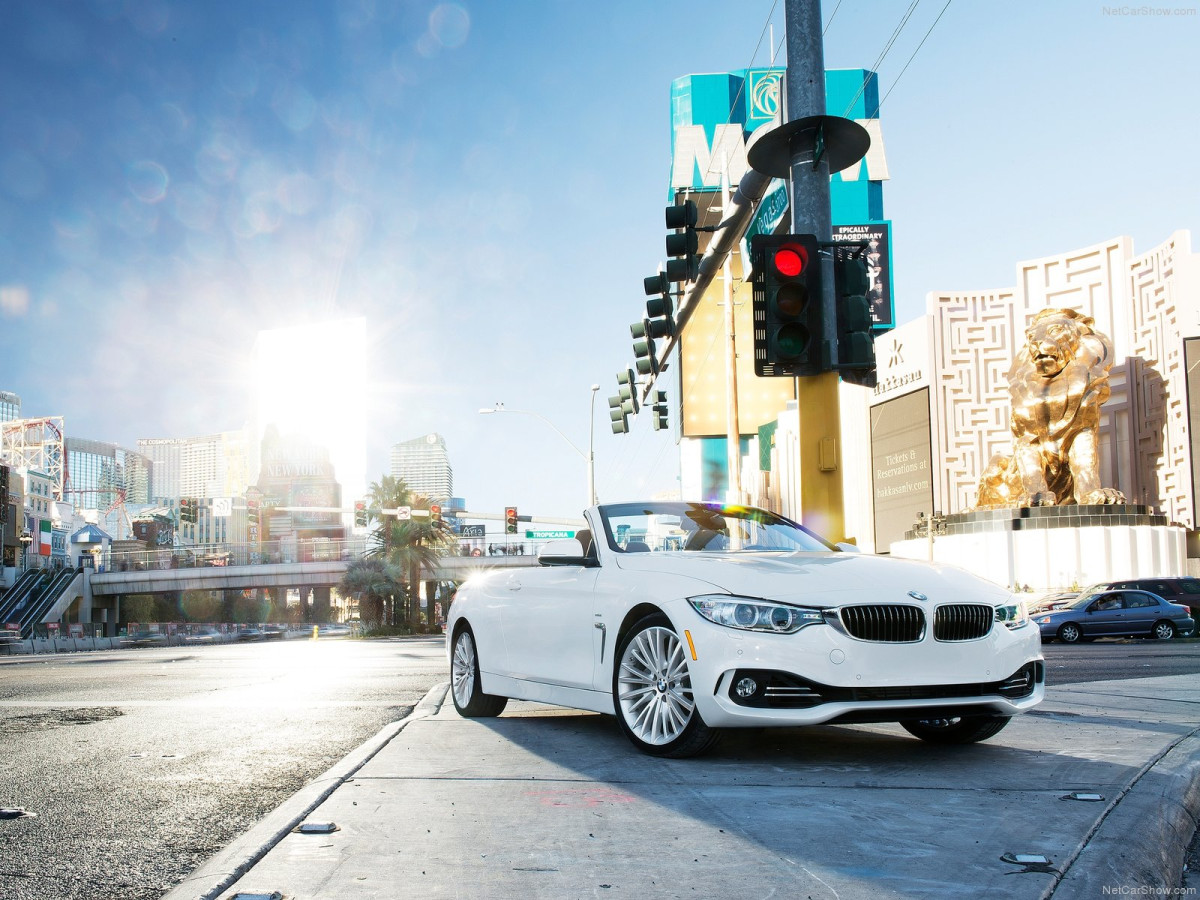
[567,552]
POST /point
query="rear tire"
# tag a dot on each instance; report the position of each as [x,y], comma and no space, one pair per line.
[957,730]
[469,698]
[1163,631]
[652,693]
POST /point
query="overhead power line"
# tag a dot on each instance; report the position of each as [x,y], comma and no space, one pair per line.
[915,52]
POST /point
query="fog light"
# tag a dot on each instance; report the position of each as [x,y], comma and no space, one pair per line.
[746,687]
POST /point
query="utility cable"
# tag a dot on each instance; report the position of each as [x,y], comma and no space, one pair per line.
[914,53]
[882,55]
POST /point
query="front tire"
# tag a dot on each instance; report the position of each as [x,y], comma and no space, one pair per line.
[469,698]
[1070,633]
[958,730]
[1163,631]
[652,692]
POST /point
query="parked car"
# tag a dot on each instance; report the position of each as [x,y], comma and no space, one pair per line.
[684,618]
[250,633]
[145,639]
[203,636]
[1056,600]
[1181,590]
[1115,613]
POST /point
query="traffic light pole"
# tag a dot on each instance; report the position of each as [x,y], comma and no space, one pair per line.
[733,441]
[821,495]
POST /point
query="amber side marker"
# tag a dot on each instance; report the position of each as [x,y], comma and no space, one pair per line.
[687,634]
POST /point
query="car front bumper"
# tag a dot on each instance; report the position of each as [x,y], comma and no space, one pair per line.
[821,674]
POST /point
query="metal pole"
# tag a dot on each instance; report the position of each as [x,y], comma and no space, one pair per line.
[821,494]
[732,428]
[591,468]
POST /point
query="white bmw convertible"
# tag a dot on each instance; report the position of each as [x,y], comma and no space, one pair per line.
[685,618]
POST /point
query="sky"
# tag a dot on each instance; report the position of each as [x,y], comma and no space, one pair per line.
[483,182]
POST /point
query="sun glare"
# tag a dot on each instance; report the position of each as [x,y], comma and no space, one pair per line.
[310,381]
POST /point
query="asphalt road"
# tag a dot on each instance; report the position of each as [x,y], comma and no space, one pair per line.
[139,764]
[1109,658]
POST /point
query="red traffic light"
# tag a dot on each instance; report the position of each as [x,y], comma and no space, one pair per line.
[790,260]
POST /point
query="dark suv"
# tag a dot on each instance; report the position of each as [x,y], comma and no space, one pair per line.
[1183,591]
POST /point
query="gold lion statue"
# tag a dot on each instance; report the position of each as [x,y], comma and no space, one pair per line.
[1057,382]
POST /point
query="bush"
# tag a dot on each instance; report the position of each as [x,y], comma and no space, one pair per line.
[382,631]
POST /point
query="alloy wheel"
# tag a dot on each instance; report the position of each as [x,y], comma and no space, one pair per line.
[462,669]
[654,688]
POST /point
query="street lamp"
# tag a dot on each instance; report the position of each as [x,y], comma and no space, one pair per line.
[590,456]
[26,538]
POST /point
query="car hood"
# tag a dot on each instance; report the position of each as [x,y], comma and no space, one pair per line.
[822,579]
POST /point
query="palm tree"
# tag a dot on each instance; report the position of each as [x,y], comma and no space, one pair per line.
[411,545]
[373,582]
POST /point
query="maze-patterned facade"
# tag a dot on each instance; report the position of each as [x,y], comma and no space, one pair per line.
[1146,303]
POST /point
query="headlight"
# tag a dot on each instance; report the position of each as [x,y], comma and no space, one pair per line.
[1013,615]
[748,614]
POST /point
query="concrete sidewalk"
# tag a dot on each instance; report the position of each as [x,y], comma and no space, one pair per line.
[545,802]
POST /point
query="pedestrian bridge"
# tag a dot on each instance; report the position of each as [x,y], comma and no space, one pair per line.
[217,568]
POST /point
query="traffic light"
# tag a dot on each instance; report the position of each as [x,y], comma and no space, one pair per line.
[187,510]
[856,343]
[789,312]
[616,412]
[510,520]
[659,408]
[683,244]
[252,516]
[360,514]
[644,352]
[627,390]
[435,515]
[659,308]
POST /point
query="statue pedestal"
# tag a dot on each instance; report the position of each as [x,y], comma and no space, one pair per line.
[1055,547]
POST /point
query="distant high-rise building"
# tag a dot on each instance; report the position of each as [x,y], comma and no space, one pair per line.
[213,465]
[166,454]
[10,406]
[102,475]
[424,465]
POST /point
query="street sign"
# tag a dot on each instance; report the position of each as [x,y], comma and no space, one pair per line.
[404,513]
[473,531]
[547,535]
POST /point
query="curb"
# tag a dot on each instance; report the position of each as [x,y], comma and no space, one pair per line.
[225,867]
[1139,843]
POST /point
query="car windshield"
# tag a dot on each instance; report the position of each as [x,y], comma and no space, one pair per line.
[1087,596]
[672,527]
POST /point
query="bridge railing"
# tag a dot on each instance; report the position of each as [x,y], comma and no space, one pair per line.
[250,554]
[273,552]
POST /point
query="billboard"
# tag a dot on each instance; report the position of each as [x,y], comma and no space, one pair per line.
[901,471]
[712,117]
